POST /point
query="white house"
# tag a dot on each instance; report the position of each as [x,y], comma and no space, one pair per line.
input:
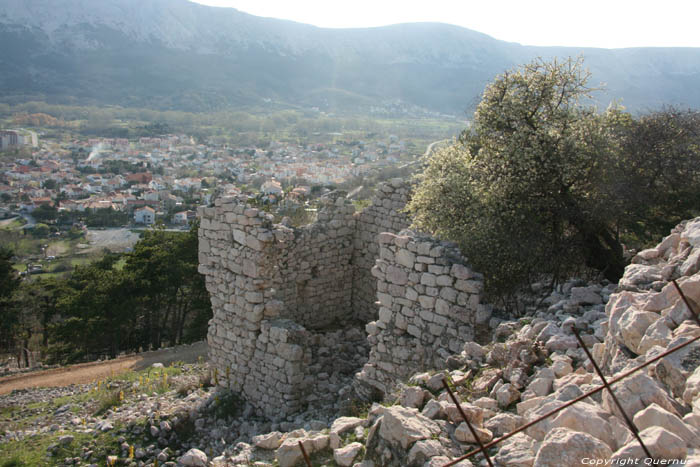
[271,187]
[150,196]
[145,215]
[180,217]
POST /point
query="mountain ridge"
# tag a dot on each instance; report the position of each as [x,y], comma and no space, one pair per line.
[112,52]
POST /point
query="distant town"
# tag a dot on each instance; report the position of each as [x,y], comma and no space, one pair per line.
[116,182]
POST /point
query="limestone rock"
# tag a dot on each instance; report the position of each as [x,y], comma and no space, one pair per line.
[506,395]
[474,414]
[658,333]
[434,383]
[485,381]
[561,365]
[585,296]
[657,416]
[692,387]
[674,369]
[194,458]
[661,443]
[289,453]
[433,410]
[633,325]
[268,440]
[345,456]
[637,275]
[440,461]
[424,450]
[563,446]
[516,451]
[586,418]
[539,387]
[404,426]
[412,396]
[344,424]
[464,435]
[637,392]
[503,423]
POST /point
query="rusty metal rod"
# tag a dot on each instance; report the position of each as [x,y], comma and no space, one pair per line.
[306,456]
[687,302]
[464,416]
[574,401]
[629,421]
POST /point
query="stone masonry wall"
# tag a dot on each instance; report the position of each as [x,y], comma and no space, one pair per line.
[430,303]
[269,285]
[274,289]
[384,215]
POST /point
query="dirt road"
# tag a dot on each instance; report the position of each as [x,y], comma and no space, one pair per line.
[88,372]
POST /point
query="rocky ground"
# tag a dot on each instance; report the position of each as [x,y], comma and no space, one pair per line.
[530,366]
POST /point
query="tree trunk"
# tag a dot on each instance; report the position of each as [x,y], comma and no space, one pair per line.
[604,253]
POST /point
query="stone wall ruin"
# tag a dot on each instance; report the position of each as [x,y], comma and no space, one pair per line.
[430,305]
[282,295]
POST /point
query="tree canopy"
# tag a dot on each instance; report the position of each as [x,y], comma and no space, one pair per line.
[139,300]
[543,184]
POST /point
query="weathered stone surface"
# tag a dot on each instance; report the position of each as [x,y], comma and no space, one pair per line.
[346,455]
[412,396]
[289,454]
[517,451]
[503,423]
[194,458]
[633,324]
[658,333]
[440,461]
[404,426]
[486,380]
[640,274]
[635,393]
[405,258]
[586,418]
[268,441]
[674,369]
[692,387]
[344,424]
[424,450]
[654,415]
[507,395]
[433,410]
[561,366]
[563,446]
[474,414]
[585,296]
[539,387]
[662,444]
[464,435]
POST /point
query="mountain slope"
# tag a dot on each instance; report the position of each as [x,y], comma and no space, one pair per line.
[180,55]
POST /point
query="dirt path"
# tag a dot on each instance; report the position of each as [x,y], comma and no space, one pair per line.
[88,372]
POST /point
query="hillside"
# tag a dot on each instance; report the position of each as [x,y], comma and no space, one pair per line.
[531,367]
[173,54]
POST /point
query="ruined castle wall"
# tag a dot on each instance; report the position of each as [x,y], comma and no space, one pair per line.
[385,214]
[269,285]
[314,270]
[430,303]
[275,290]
